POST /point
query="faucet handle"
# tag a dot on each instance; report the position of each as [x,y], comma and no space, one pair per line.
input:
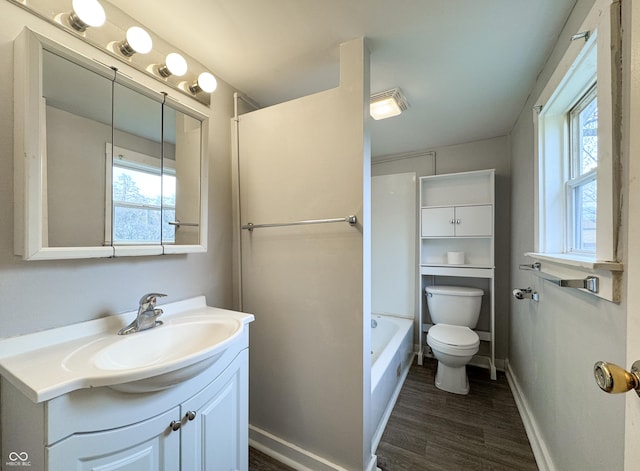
[149,299]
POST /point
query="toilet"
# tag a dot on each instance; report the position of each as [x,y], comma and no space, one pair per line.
[454,310]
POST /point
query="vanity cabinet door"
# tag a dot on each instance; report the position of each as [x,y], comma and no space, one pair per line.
[146,446]
[215,431]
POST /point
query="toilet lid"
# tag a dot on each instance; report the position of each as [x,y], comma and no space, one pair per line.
[454,335]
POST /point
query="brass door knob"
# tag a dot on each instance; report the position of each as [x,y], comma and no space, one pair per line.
[613,379]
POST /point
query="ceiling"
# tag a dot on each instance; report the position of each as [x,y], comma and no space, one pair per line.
[466,66]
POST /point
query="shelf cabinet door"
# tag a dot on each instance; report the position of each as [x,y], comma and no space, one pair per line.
[438,222]
[474,221]
[146,446]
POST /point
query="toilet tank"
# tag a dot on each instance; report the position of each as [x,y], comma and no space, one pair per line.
[454,305]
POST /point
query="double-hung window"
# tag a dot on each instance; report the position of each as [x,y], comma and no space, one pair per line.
[577,139]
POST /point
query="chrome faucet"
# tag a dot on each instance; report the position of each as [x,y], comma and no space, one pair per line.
[147,314]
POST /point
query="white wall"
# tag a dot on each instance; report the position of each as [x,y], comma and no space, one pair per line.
[75,183]
[554,344]
[308,286]
[478,155]
[393,248]
[38,295]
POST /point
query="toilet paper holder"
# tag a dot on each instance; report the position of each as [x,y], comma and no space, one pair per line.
[526,293]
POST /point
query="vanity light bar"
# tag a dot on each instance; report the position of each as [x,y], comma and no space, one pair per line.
[97,22]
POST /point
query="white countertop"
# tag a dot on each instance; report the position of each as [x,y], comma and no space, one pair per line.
[35,363]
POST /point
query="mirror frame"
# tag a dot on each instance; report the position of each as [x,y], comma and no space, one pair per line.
[30,151]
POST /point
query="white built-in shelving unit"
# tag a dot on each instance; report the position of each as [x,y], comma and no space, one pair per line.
[457,215]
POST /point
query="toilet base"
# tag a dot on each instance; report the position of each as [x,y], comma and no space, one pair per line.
[452,379]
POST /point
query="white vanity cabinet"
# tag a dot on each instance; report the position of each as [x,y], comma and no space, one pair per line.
[197,422]
[206,431]
[457,215]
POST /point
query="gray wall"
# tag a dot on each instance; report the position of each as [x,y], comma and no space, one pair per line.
[553,344]
[478,155]
[39,295]
[309,286]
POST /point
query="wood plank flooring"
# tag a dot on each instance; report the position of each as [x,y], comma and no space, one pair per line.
[432,430]
[258,461]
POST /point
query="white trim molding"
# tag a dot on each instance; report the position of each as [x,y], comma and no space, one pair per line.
[538,446]
[293,455]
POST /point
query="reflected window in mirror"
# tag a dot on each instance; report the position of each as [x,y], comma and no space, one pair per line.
[136,183]
[140,195]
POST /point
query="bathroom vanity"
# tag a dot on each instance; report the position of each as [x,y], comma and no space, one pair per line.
[173,397]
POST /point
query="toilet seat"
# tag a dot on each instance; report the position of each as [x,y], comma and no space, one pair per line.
[453,339]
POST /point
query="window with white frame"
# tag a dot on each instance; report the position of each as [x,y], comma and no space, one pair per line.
[567,161]
[576,125]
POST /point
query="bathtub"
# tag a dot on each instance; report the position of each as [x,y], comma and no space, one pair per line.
[391,356]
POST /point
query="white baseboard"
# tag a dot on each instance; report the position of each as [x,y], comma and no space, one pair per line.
[540,451]
[293,455]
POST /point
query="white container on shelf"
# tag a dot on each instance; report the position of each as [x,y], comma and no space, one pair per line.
[455,258]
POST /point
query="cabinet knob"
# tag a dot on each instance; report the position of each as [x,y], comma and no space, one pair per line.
[190,415]
[175,425]
[457,221]
[452,221]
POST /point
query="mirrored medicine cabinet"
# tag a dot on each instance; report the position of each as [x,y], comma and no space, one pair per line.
[104,165]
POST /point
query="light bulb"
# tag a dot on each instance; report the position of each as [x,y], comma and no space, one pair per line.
[206,83]
[86,13]
[384,109]
[174,64]
[137,40]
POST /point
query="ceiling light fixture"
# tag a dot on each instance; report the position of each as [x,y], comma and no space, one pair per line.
[174,64]
[86,13]
[206,83]
[137,40]
[387,104]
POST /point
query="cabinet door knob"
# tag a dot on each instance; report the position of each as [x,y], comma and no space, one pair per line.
[175,425]
[452,221]
[190,415]
[457,221]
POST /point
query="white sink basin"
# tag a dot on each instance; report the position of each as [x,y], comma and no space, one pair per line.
[48,364]
[166,355]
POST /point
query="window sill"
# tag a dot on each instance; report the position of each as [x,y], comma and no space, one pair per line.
[574,260]
[555,267]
